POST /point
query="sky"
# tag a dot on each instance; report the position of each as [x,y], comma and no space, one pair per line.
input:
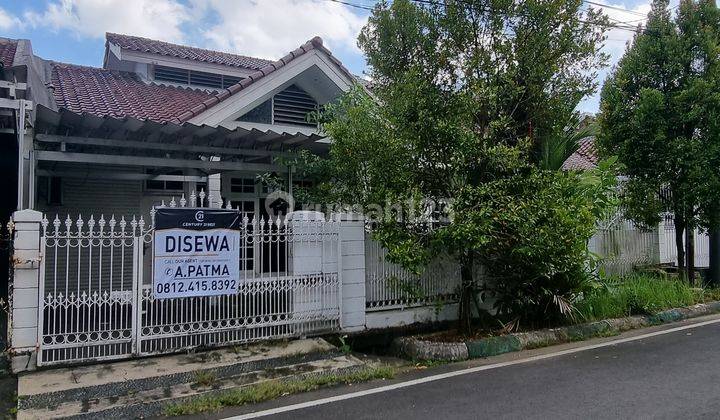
[73,31]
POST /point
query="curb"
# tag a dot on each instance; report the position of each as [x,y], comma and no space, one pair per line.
[417,349]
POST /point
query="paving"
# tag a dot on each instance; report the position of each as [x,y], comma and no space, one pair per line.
[143,387]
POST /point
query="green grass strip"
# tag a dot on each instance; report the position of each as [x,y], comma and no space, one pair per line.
[273,389]
[638,294]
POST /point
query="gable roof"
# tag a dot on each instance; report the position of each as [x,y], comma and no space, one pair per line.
[103,92]
[109,93]
[315,43]
[136,43]
[584,158]
[7,51]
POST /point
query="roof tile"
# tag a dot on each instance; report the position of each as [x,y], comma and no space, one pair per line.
[584,158]
[103,93]
[7,51]
[314,43]
[136,43]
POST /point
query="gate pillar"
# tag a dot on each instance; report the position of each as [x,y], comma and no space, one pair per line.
[24,312]
[352,271]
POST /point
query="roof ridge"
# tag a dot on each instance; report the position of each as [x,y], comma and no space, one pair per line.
[315,43]
[183,46]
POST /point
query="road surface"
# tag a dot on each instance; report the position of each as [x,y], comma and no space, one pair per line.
[668,376]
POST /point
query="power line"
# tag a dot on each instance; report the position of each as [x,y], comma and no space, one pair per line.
[607,6]
[435,3]
[357,6]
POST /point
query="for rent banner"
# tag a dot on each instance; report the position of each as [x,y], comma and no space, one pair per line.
[196,252]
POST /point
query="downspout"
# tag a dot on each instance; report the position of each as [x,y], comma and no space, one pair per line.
[20,134]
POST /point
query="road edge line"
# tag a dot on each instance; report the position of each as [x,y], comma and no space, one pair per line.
[460,372]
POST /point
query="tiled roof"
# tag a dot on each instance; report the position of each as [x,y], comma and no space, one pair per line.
[314,44]
[103,93]
[584,158]
[7,51]
[152,46]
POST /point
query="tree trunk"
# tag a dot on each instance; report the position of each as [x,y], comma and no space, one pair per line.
[690,254]
[680,245]
[467,288]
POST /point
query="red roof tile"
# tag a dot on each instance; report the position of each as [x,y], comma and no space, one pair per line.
[7,51]
[584,158]
[116,94]
[152,46]
[314,44]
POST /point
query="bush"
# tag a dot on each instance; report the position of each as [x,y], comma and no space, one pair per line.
[634,295]
[537,254]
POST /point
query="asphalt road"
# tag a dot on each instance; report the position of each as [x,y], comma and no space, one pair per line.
[676,375]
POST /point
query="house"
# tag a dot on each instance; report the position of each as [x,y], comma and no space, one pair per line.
[161,124]
[160,120]
[584,158]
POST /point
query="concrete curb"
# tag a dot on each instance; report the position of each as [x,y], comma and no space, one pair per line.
[416,348]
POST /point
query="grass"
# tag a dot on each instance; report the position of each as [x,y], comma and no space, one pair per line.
[205,378]
[273,389]
[638,294]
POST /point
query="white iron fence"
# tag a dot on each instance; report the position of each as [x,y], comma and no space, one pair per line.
[668,247]
[389,286]
[97,303]
[624,247]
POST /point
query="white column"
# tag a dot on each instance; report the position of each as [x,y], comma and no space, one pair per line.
[23,320]
[306,249]
[352,275]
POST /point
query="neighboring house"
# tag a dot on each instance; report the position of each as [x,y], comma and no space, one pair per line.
[625,246]
[159,120]
[584,158]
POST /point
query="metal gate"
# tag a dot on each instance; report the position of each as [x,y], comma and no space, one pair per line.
[97,302]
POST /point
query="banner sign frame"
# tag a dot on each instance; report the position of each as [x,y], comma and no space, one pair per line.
[195,252]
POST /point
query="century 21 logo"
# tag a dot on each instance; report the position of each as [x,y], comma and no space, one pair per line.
[200,216]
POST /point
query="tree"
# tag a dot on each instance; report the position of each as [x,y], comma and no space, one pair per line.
[657,115]
[464,94]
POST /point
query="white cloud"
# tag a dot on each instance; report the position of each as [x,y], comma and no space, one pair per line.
[272,28]
[7,20]
[159,19]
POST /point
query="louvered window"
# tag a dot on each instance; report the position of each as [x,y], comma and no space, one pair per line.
[292,106]
[169,74]
[192,77]
[205,79]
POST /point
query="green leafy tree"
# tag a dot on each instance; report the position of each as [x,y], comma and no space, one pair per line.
[658,115]
[464,94]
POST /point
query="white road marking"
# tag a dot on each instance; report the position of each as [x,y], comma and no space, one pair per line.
[452,374]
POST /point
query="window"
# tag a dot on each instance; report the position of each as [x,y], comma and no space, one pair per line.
[50,190]
[292,106]
[158,185]
[302,183]
[242,185]
[192,77]
[260,114]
